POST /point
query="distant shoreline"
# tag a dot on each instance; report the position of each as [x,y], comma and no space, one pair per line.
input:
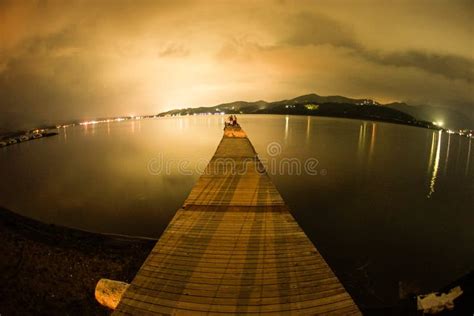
[4,139]
[381,120]
[376,113]
[24,137]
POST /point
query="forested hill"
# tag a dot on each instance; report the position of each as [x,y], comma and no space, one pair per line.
[313,104]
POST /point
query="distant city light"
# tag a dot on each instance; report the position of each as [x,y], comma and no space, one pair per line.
[89,123]
[438,123]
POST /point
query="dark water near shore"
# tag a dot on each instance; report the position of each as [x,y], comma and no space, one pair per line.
[390,208]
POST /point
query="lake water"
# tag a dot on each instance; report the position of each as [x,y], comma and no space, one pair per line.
[389,206]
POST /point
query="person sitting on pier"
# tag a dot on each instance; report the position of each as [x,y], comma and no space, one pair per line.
[228,122]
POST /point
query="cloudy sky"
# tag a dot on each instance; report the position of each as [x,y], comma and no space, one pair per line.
[61,60]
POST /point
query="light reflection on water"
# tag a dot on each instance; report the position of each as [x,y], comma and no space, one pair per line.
[308,128]
[447,154]
[384,214]
[468,159]
[435,167]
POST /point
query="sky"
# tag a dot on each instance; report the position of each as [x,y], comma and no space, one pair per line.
[62,60]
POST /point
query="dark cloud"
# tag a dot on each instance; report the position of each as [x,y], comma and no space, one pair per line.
[449,66]
[46,91]
[51,79]
[317,29]
[174,50]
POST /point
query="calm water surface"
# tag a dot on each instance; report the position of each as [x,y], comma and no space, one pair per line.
[391,206]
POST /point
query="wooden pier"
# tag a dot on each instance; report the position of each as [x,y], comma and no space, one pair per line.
[234,248]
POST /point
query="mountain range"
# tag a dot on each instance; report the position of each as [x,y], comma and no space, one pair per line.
[340,106]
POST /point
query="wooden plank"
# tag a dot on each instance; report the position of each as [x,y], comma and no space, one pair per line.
[234,248]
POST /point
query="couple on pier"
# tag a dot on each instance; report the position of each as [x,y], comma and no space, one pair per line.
[231,121]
